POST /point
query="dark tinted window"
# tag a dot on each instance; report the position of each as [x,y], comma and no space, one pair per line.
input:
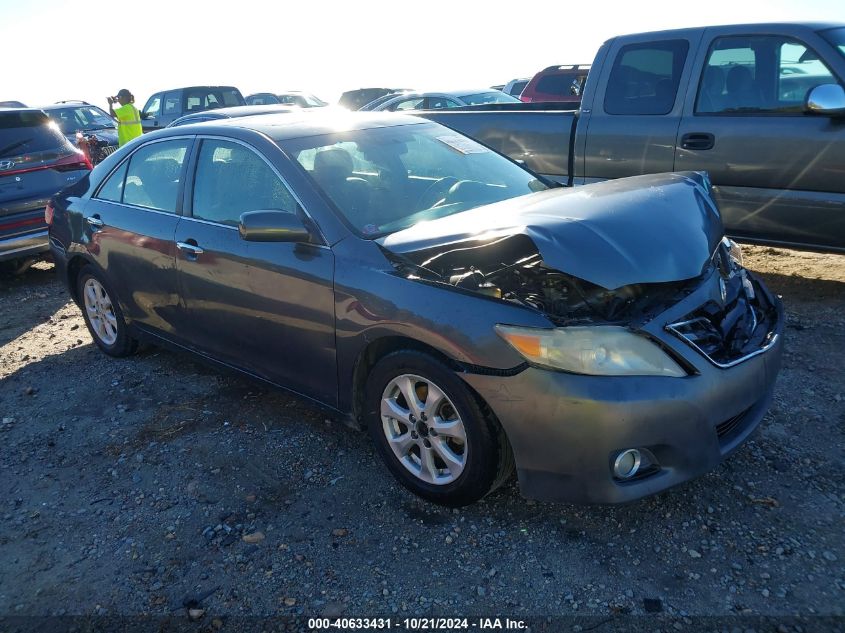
[518,87]
[232,179]
[112,189]
[155,170]
[645,77]
[759,74]
[562,84]
[27,132]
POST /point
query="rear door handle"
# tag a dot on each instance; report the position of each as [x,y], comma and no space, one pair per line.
[188,247]
[94,221]
[698,140]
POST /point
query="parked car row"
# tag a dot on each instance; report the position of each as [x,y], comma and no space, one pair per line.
[559,84]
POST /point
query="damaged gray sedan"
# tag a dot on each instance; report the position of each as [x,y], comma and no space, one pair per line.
[605,341]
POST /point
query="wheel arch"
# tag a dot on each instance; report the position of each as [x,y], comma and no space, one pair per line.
[373,352]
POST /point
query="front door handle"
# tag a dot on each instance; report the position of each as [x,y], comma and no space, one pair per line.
[191,248]
[94,221]
[698,140]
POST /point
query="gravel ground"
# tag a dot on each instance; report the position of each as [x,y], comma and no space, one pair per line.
[152,484]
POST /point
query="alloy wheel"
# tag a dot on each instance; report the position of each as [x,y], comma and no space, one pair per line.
[100,311]
[423,429]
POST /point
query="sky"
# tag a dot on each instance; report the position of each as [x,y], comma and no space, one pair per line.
[89,50]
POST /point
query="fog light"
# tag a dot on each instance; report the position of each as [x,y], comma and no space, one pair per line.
[627,464]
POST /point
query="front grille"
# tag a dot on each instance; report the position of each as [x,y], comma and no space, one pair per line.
[108,149]
[740,324]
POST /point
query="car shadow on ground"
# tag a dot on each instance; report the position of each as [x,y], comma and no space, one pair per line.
[32,294]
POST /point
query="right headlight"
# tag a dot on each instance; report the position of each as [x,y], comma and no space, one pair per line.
[597,351]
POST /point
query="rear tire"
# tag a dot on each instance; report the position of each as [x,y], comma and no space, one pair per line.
[102,314]
[432,432]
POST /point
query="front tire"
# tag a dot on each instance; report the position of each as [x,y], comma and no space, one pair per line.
[103,315]
[432,432]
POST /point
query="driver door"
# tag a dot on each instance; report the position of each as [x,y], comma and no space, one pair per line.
[263,307]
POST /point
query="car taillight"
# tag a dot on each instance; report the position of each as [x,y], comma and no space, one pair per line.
[48,213]
[68,162]
[71,162]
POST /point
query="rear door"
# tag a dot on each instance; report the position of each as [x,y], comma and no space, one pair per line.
[130,227]
[265,307]
[779,174]
[636,110]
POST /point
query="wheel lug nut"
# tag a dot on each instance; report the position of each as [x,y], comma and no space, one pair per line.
[414,434]
[432,432]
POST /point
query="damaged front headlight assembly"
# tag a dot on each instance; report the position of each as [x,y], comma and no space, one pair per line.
[595,351]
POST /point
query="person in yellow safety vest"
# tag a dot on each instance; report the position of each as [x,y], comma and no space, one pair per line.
[127,115]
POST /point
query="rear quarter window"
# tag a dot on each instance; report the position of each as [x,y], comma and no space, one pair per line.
[29,132]
[644,78]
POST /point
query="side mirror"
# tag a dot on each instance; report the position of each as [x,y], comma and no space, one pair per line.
[826,99]
[272,226]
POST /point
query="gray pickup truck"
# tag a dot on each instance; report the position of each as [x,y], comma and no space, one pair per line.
[760,107]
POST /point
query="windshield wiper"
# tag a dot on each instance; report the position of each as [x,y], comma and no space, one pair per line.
[5,151]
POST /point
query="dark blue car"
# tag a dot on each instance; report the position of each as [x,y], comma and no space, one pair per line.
[36,162]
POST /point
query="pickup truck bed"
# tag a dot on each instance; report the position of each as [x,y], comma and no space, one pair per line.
[540,139]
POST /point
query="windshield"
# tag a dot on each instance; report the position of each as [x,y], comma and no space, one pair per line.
[837,38]
[495,96]
[387,179]
[85,119]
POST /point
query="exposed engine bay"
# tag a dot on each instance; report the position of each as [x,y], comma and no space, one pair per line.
[512,269]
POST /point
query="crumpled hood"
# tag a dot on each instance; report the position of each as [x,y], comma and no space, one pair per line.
[646,229]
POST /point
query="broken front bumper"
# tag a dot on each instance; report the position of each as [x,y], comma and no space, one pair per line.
[567,429]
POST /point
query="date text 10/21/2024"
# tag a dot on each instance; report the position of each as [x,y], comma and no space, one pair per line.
[415,624]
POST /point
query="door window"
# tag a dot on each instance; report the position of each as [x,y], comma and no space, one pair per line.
[644,78]
[437,103]
[154,174]
[171,103]
[759,74]
[153,106]
[112,189]
[232,179]
[407,104]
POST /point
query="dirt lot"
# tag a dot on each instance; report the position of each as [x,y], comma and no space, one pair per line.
[150,484]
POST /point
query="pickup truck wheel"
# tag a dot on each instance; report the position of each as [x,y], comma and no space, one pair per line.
[103,315]
[432,432]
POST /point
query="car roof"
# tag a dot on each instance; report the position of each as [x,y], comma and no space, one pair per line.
[309,122]
[69,104]
[193,87]
[749,29]
[238,111]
